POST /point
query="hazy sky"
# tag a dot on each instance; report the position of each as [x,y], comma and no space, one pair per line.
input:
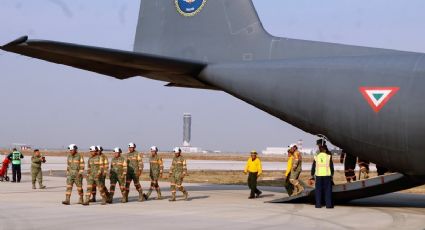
[50,105]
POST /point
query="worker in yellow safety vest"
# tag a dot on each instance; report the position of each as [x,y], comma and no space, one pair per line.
[288,186]
[323,171]
[253,167]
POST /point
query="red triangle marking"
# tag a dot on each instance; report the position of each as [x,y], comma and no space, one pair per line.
[375,108]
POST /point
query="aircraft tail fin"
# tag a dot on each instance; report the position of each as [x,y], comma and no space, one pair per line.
[201,30]
[212,31]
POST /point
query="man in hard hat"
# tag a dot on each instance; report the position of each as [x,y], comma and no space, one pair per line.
[36,172]
[349,161]
[118,174]
[105,169]
[15,156]
[323,171]
[155,172]
[74,174]
[288,186]
[178,171]
[94,175]
[254,169]
[296,169]
[134,171]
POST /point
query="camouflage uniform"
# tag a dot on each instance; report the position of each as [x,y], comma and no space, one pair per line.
[178,170]
[295,172]
[118,174]
[156,169]
[94,173]
[364,168]
[74,175]
[105,161]
[36,172]
[134,170]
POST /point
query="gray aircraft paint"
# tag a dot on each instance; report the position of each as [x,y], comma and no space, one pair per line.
[311,85]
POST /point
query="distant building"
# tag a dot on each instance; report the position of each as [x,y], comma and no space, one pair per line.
[22,147]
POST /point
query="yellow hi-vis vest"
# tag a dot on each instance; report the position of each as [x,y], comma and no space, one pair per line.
[323,164]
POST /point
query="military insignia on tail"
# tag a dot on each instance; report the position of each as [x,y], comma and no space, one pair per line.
[189,8]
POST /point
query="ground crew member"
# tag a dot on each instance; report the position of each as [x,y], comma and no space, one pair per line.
[134,171]
[94,174]
[296,170]
[118,174]
[178,171]
[74,174]
[288,186]
[323,171]
[16,157]
[155,172]
[105,170]
[254,170]
[36,172]
[349,161]
[364,168]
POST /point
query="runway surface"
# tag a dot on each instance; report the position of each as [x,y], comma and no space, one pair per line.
[210,207]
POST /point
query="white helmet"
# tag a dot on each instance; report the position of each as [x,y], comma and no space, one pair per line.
[99,148]
[72,147]
[177,150]
[93,148]
[131,145]
[154,148]
[117,150]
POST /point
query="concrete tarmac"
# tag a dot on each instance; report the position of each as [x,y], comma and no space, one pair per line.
[210,207]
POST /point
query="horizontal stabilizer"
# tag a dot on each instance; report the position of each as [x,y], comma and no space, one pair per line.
[115,63]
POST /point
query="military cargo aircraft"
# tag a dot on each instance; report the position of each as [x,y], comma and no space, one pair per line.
[368,101]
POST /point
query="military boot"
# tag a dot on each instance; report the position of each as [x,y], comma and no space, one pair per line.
[158,191]
[185,195]
[33,186]
[173,197]
[67,200]
[148,194]
[123,200]
[41,186]
[299,189]
[93,199]
[81,199]
[142,196]
[104,200]
[87,201]
[125,197]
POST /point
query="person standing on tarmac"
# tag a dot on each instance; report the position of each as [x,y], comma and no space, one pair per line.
[288,186]
[105,169]
[74,174]
[15,156]
[349,161]
[178,171]
[94,175]
[117,174]
[134,171]
[254,169]
[323,171]
[155,172]
[36,172]
[296,170]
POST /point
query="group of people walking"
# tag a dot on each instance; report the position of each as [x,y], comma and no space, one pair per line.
[122,171]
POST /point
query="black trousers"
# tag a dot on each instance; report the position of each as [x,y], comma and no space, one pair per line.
[323,187]
[252,183]
[16,171]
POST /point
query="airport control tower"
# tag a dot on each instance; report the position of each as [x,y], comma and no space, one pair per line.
[187,122]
